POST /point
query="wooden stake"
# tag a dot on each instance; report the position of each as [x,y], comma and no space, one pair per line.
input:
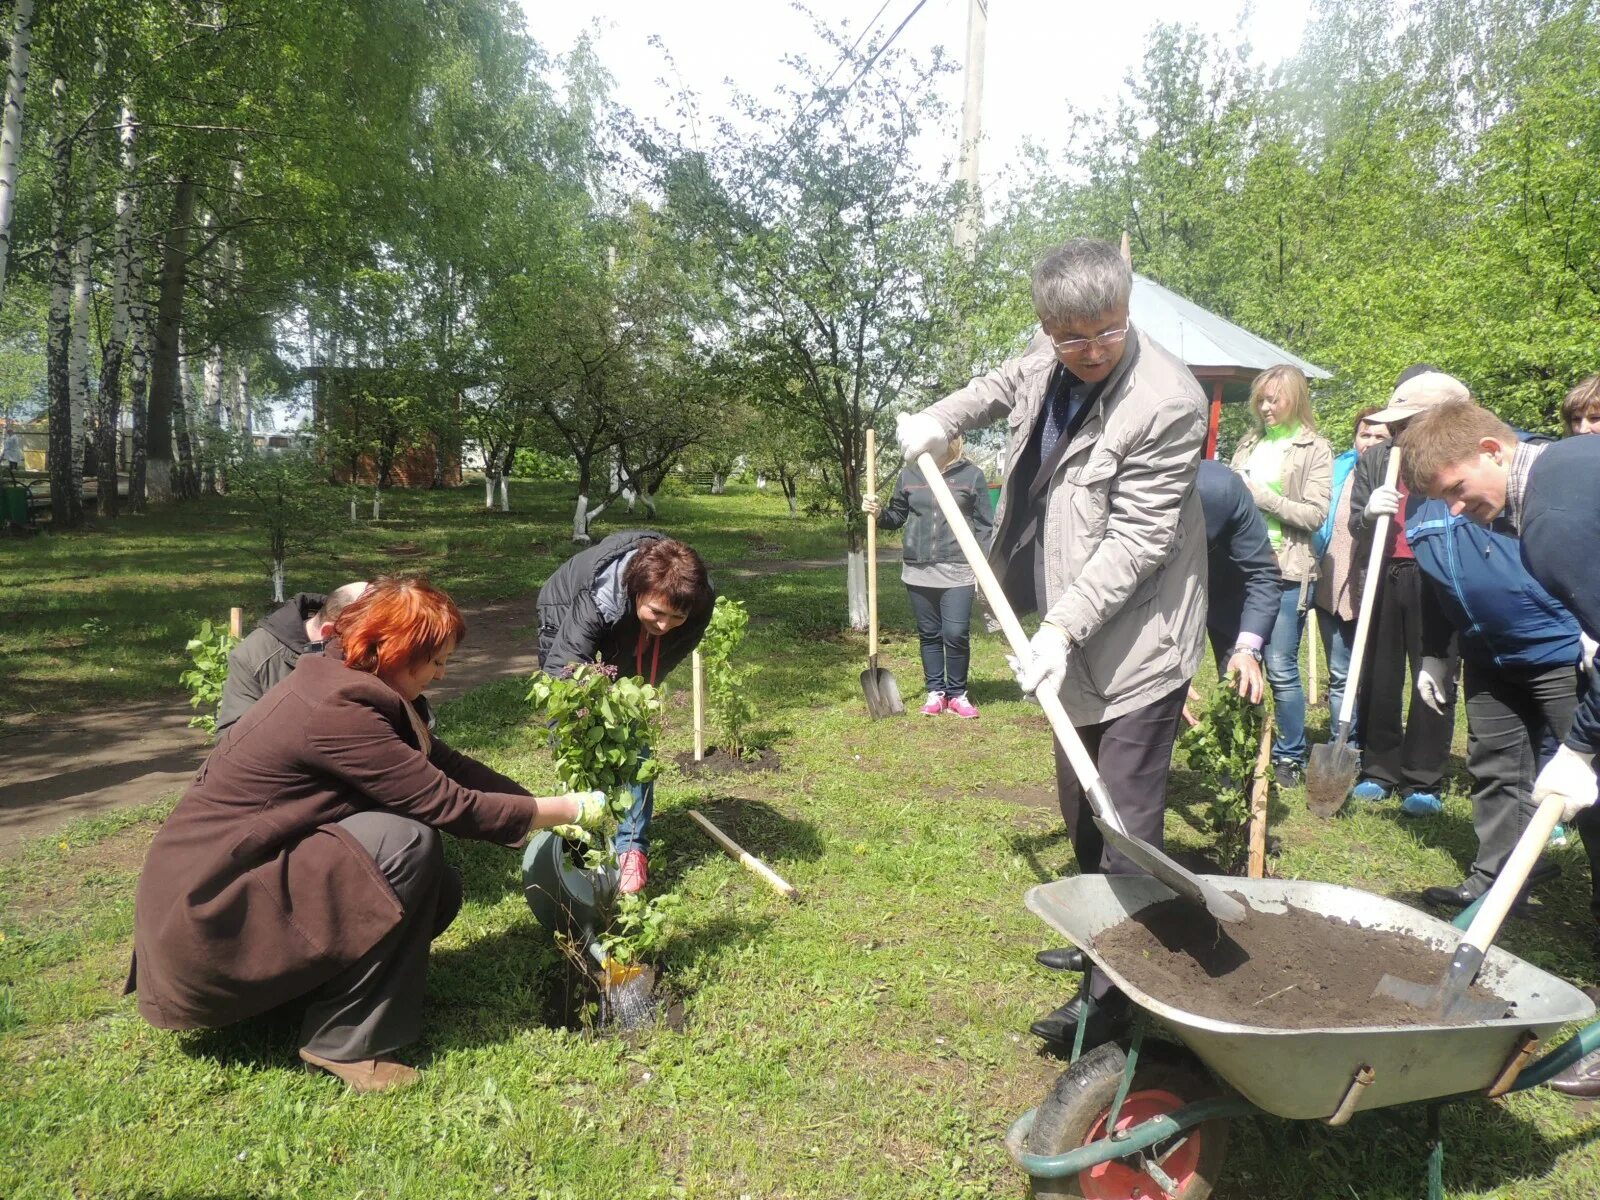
[697,667]
[745,859]
[1258,803]
[1311,682]
[236,622]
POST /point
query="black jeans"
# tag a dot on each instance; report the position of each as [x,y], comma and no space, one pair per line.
[1510,713]
[374,1005]
[1133,754]
[944,618]
[1401,748]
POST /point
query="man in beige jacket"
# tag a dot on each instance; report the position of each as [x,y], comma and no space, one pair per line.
[1099,529]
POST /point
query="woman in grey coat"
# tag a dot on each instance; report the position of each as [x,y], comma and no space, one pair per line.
[936,574]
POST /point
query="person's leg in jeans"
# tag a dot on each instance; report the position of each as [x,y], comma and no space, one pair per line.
[633,831]
[925,608]
[1283,673]
[955,623]
[374,1006]
[1337,638]
[1133,754]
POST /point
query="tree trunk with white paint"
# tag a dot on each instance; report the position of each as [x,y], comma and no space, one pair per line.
[11,125]
[718,485]
[855,573]
[580,520]
[353,517]
[377,502]
[790,494]
[488,488]
[505,495]
[278,576]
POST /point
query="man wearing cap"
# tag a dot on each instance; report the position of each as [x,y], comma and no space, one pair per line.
[1549,494]
[1100,530]
[1404,747]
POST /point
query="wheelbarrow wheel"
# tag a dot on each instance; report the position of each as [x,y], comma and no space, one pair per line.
[1076,1111]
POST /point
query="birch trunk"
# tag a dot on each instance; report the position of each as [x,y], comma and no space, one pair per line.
[11,125]
[211,407]
[66,501]
[168,323]
[78,357]
[188,481]
[109,408]
[138,392]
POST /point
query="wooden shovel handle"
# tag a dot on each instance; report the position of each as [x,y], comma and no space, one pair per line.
[1082,765]
[1369,594]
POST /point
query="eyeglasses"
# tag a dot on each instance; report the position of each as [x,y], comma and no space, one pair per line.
[1077,347]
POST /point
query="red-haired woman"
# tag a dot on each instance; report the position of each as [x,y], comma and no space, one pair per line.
[640,602]
[304,863]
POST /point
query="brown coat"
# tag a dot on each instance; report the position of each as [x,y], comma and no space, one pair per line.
[251,894]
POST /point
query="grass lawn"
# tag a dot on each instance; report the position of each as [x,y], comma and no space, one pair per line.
[868,1042]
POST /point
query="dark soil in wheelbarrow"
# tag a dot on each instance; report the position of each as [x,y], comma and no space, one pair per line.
[1289,970]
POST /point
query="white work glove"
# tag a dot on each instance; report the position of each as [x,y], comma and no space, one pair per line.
[1384,502]
[1586,656]
[1570,775]
[919,433]
[591,812]
[1047,661]
[1433,683]
[871,506]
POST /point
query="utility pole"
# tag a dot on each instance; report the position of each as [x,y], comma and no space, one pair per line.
[967,220]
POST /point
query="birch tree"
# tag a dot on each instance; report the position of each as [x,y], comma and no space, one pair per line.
[11,125]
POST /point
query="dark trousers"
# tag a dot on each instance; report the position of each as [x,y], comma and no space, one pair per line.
[1133,754]
[374,1006]
[1399,749]
[1510,713]
[944,617]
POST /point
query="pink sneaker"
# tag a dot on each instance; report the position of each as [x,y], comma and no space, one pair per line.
[633,872]
[934,706]
[961,706]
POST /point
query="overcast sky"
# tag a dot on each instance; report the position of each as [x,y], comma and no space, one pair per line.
[1041,56]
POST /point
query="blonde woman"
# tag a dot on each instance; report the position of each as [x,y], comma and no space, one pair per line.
[936,573]
[1288,467]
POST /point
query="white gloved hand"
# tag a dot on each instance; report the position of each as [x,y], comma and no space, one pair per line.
[1433,683]
[1586,655]
[1570,775]
[870,506]
[919,433]
[1384,502]
[1047,661]
[590,810]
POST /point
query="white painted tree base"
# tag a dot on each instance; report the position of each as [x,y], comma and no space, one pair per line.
[855,574]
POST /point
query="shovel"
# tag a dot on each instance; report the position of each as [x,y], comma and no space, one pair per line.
[1449,998]
[877,685]
[1185,883]
[1333,768]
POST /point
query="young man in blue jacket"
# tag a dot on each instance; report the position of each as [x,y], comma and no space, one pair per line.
[1550,494]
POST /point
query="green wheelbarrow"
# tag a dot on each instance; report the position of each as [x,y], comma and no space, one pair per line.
[1149,1119]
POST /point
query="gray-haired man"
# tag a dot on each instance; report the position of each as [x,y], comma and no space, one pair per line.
[1099,529]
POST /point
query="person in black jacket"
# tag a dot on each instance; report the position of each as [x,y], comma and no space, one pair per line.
[638,601]
[936,573]
[268,653]
[1549,495]
[1244,585]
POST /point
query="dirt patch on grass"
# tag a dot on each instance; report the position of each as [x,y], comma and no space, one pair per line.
[58,885]
[717,763]
[1026,795]
[1289,970]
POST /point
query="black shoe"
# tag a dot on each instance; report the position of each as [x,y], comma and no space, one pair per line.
[1110,1019]
[1061,958]
[1462,895]
[1287,772]
[1582,1078]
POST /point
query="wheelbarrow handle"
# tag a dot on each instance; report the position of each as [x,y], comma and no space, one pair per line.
[1094,787]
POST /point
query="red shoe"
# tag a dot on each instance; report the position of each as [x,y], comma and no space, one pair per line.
[633,872]
[961,706]
[934,706]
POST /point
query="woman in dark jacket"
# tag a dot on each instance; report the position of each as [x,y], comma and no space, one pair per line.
[936,573]
[638,601]
[304,863]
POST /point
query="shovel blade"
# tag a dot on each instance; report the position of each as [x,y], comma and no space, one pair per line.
[1184,882]
[882,693]
[1330,775]
[1439,1000]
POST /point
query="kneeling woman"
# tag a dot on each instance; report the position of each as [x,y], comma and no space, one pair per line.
[304,863]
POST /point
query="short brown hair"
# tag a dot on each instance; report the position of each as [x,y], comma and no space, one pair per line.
[1443,435]
[1363,413]
[672,570]
[398,621]
[1582,401]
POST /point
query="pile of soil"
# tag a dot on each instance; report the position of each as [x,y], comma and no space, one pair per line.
[1289,970]
[718,763]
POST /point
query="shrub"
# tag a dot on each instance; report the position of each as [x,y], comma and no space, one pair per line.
[209,649]
[1222,749]
[732,710]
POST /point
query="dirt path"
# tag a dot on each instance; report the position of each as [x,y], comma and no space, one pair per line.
[57,768]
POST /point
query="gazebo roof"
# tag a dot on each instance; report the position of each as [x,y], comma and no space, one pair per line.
[1210,345]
